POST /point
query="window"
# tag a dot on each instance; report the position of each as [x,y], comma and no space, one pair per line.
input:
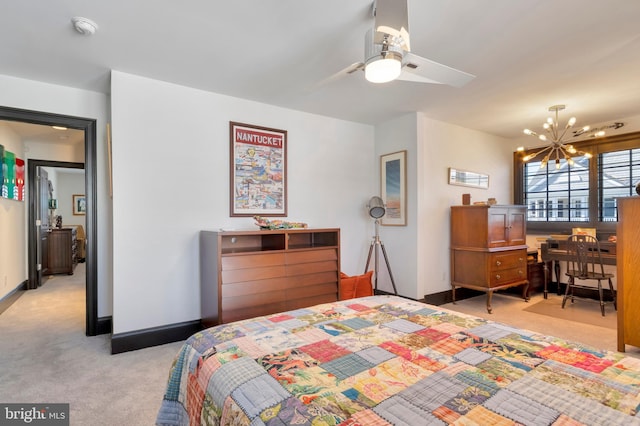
[550,188]
[618,173]
[584,193]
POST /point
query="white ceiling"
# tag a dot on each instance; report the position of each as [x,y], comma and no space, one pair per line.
[527,54]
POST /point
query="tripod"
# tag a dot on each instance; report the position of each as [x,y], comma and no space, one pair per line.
[377,243]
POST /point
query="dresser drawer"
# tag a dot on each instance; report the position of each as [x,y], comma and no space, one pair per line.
[506,276]
[247,261]
[508,260]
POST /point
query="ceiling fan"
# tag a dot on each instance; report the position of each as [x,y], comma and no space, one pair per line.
[388,54]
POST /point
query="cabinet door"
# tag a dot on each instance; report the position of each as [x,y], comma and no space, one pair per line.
[498,223]
[517,227]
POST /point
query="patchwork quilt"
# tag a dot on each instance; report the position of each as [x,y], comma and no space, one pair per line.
[385,360]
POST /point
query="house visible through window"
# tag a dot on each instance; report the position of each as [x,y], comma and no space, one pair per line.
[585,192]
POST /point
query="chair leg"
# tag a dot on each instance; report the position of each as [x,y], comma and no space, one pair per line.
[566,291]
[601,299]
[613,294]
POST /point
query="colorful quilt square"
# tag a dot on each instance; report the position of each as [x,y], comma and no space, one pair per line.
[356,323]
[288,412]
[259,393]
[278,339]
[472,356]
[375,355]
[431,392]
[283,366]
[404,326]
[521,409]
[231,375]
[324,350]
[432,334]
[400,412]
[280,318]
[347,365]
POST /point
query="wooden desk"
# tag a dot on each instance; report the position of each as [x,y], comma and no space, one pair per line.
[554,251]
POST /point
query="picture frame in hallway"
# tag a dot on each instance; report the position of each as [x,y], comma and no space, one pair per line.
[393,188]
[79,205]
[258,181]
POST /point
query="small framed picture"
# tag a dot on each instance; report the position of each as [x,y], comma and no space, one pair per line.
[79,204]
[393,188]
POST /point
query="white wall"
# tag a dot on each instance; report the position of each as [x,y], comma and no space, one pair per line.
[400,242]
[440,146]
[44,97]
[171,180]
[69,183]
[13,264]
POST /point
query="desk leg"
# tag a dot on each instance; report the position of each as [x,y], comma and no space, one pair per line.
[489,296]
[546,278]
[556,267]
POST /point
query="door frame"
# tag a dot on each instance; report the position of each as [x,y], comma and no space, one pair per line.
[88,125]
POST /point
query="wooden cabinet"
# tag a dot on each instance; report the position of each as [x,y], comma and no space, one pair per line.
[628,272]
[488,250]
[62,252]
[250,273]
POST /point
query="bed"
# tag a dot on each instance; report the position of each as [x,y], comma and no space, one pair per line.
[383,360]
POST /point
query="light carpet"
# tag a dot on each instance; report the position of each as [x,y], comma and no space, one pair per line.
[45,357]
[583,311]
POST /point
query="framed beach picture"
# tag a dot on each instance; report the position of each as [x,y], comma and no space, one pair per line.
[393,188]
[258,182]
[79,204]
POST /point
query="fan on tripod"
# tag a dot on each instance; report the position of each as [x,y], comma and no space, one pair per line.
[377,210]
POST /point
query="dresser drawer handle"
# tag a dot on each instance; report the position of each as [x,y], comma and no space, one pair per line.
[498,263]
[520,259]
[497,277]
[520,273]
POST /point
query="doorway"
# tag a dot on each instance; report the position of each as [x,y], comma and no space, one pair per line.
[92,326]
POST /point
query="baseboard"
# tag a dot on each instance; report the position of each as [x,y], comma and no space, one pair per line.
[140,339]
[10,298]
[104,325]
[443,297]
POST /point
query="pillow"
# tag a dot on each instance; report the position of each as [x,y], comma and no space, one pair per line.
[355,286]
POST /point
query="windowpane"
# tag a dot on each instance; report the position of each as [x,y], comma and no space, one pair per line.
[618,173]
[557,194]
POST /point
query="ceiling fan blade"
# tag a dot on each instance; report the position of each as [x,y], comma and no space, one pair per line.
[345,71]
[416,68]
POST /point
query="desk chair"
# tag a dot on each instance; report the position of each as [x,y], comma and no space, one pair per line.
[585,264]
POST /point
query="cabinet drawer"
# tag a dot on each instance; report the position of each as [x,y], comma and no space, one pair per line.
[506,276]
[508,260]
[307,256]
[252,261]
[311,268]
[252,274]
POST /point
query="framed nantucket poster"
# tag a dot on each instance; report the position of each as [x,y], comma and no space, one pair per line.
[258,182]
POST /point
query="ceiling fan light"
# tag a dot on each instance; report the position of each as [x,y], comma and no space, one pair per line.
[382,69]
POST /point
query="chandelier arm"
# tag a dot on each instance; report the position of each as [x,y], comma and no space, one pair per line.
[567,127]
[541,151]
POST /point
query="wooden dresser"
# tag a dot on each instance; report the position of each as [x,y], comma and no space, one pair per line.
[488,248]
[628,272]
[62,251]
[251,273]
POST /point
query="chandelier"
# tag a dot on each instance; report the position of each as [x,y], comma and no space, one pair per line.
[558,149]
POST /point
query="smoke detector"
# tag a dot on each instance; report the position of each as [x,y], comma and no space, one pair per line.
[83,25]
